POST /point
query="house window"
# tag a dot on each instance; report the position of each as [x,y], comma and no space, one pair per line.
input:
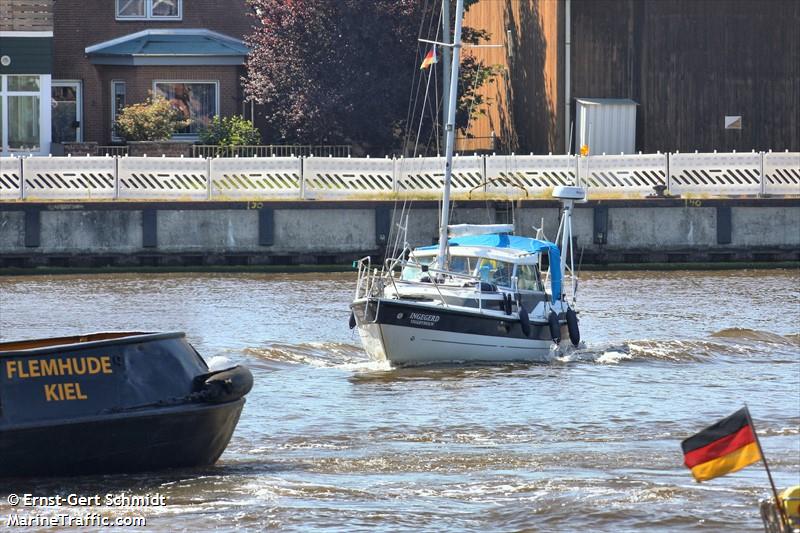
[20,112]
[149,9]
[196,100]
[118,103]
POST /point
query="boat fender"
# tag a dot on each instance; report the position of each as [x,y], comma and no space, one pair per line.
[572,327]
[227,385]
[352,323]
[507,303]
[555,327]
[524,321]
[791,503]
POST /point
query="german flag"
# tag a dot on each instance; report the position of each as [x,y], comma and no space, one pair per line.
[725,447]
[429,59]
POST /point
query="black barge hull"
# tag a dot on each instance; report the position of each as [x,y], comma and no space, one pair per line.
[109,403]
[151,440]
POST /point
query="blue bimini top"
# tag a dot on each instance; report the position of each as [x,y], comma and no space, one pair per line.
[514,242]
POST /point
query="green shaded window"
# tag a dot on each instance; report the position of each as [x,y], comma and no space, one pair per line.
[23,123]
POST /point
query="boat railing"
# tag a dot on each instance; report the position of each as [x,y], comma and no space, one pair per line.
[364,267]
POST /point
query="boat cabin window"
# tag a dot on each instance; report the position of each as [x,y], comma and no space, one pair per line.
[528,278]
[412,270]
[496,272]
[463,265]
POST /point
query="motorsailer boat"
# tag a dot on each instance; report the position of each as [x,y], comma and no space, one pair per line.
[481,295]
[500,297]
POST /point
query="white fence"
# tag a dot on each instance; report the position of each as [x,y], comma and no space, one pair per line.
[422,177]
[315,178]
[336,178]
[529,175]
[67,178]
[729,174]
[254,178]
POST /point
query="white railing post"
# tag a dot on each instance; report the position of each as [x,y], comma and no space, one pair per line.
[395,187]
[116,177]
[667,174]
[208,178]
[21,178]
[302,177]
[483,172]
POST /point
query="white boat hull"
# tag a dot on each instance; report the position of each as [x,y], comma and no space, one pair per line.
[402,345]
[439,342]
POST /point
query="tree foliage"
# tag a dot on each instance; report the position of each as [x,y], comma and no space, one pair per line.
[340,71]
[230,131]
[152,120]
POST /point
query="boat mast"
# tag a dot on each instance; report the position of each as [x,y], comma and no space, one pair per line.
[450,130]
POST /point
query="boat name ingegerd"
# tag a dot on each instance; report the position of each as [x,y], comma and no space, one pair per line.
[421,319]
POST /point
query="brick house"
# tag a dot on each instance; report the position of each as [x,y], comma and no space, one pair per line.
[26,62]
[112,53]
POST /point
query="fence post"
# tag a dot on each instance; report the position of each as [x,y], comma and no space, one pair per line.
[21,179]
[394,175]
[483,169]
[208,178]
[302,178]
[667,157]
[116,177]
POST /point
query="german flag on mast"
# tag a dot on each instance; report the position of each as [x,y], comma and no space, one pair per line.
[429,59]
[722,448]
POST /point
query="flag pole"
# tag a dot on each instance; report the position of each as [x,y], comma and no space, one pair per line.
[778,503]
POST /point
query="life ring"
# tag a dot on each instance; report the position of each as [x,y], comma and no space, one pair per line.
[555,327]
[572,327]
[524,321]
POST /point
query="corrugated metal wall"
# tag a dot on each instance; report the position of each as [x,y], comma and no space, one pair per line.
[688,63]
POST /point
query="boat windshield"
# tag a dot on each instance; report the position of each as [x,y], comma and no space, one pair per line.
[413,270]
[528,278]
[495,271]
[463,265]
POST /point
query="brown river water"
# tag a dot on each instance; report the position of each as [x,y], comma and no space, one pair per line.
[331,441]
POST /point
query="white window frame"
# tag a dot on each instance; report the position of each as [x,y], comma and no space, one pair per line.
[45,109]
[78,84]
[116,138]
[192,136]
[148,12]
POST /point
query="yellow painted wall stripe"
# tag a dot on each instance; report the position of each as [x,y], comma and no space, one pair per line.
[736,460]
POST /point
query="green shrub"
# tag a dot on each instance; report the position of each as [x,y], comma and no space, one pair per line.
[230,131]
[153,120]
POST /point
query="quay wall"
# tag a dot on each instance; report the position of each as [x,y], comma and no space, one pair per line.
[132,234]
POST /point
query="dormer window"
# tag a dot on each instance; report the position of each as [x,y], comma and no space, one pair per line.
[149,9]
